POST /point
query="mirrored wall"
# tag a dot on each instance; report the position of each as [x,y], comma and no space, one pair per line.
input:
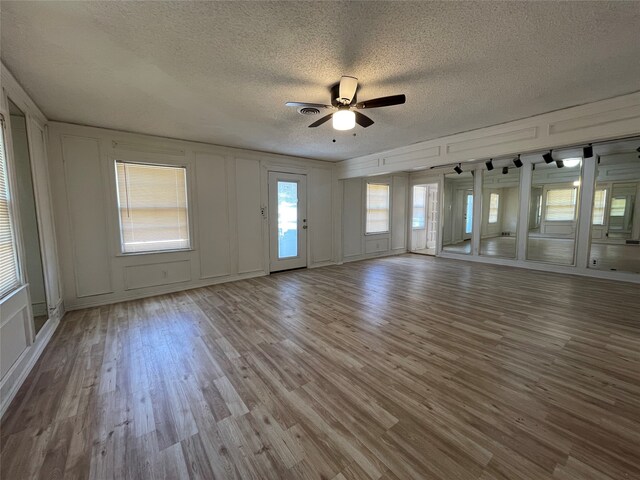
[615,220]
[500,205]
[458,213]
[553,210]
[29,229]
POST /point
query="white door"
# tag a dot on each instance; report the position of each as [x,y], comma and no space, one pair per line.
[287,221]
[424,218]
[432,217]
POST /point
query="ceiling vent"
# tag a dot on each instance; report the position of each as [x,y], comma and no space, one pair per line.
[309,111]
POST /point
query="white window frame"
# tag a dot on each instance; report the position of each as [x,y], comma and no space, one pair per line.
[497,209]
[604,206]
[546,200]
[143,160]
[413,207]
[366,207]
[12,211]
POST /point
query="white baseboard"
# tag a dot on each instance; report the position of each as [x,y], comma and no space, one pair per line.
[97,301]
[18,373]
[366,256]
[324,263]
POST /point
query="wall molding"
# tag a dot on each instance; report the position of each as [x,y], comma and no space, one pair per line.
[15,377]
[617,117]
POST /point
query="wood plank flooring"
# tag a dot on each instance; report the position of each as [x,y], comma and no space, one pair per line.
[405,367]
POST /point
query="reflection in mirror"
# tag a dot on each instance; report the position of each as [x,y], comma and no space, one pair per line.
[424,218]
[553,211]
[28,217]
[500,191]
[458,213]
[615,219]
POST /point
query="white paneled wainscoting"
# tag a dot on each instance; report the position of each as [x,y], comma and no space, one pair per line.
[227,203]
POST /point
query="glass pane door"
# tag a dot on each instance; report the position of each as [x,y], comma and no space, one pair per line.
[287,219]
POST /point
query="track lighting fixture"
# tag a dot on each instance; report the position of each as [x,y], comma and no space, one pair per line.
[548,157]
[587,152]
[517,162]
[559,163]
[505,170]
[489,164]
[458,169]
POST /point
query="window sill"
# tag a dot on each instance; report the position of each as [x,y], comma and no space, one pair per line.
[376,233]
[155,252]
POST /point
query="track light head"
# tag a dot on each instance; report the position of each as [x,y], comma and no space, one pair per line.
[587,152]
[505,170]
[548,157]
[457,169]
[489,164]
[517,162]
[559,163]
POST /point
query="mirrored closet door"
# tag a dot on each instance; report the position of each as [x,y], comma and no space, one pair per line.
[27,209]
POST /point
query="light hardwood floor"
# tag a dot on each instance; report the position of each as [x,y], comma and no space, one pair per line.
[405,367]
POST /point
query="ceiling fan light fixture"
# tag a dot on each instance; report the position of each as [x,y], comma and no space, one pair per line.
[344,120]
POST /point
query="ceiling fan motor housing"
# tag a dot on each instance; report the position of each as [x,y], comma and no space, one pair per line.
[335,95]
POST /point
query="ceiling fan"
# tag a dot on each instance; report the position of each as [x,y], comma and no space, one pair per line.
[344,101]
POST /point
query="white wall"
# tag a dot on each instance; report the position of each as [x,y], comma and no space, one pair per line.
[227,189]
[356,244]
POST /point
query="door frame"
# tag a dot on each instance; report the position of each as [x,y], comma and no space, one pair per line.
[266,213]
[410,247]
[423,179]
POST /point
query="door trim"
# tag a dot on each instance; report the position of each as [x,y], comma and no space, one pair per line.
[302,260]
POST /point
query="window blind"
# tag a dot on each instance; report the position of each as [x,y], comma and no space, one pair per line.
[152,203]
[599,202]
[561,204]
[8,256]
[494,204]
[618,206]
[377,208]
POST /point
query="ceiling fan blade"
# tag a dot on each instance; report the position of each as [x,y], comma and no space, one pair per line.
[382,102]
[348,87]
[309,105]
[324,119]
[363,120]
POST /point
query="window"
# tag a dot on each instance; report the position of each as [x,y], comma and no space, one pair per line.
[419,203]
[599,202]
[618,206]
[468,216]
[377,208]
[8,257]
[494,203]
[152,205]
[561,204]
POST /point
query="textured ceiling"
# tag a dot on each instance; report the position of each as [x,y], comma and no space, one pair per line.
[220,72]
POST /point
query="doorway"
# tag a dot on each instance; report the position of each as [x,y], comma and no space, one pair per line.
[424,219]
[287,221]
